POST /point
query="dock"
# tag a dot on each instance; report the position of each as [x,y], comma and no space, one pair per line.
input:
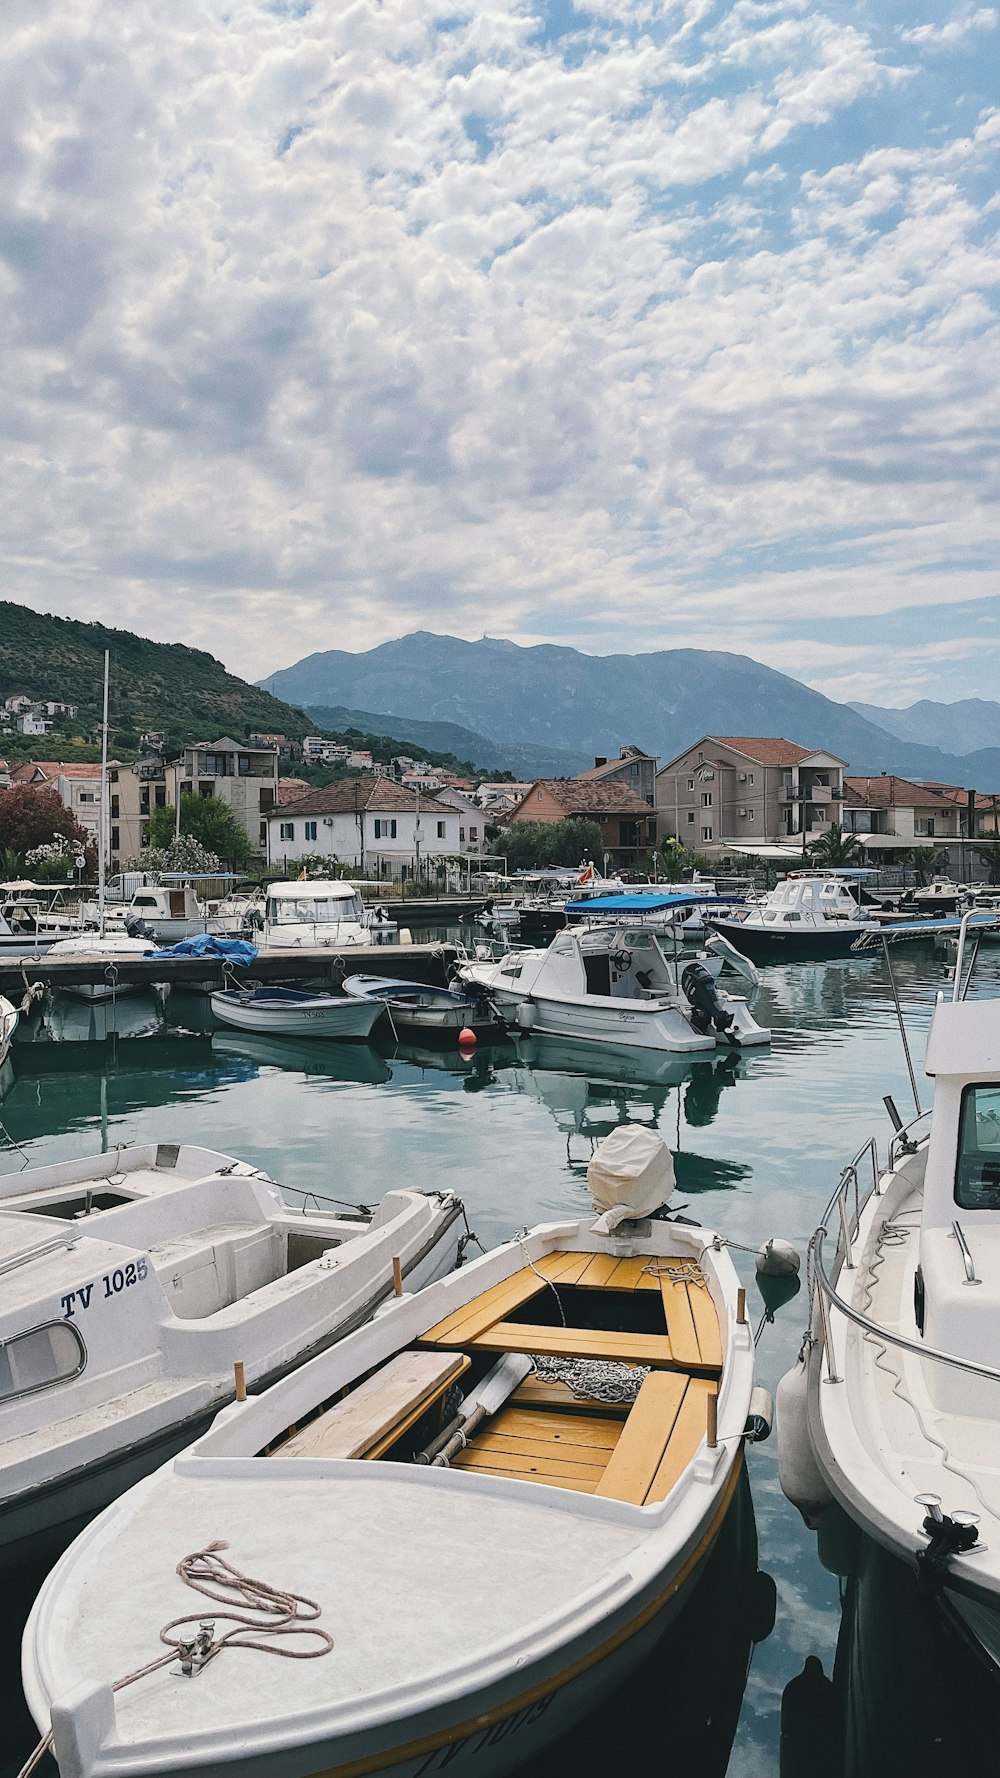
[322,964]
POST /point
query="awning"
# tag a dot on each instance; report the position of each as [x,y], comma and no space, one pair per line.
[644,904]
[895,842]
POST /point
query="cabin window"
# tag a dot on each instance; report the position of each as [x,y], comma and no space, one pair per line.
[977,1180]
[52,1353]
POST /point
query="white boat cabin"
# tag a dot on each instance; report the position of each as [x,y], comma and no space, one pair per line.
[807,901]
[313,913]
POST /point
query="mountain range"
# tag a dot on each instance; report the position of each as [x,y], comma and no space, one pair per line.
[556,698]
[962,727]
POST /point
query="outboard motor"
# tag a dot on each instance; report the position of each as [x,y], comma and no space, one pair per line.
[136,927]
[707,1009]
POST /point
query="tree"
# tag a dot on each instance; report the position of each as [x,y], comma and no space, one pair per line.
[923,861]
[675,860]
[538,845]
[835,847]
[207,819]
[33,815]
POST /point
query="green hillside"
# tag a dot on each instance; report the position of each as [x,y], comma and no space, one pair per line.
[153,685]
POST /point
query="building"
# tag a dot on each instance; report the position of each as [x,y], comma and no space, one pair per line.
[372,825]
[244,777]
[290,789]
[78,787]
[283,747]
[33,724]
[626,821]
[500,799]
[632,767]
[471,821]
[736,792]
[887,812]
[17,703]
[317,751]
[986,808]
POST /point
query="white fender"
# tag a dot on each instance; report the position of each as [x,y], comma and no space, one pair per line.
[798,1471]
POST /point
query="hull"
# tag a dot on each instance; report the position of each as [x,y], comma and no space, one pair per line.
[765,944]
[337,1018]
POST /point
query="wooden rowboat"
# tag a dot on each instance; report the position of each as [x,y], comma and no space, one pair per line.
[478,1607]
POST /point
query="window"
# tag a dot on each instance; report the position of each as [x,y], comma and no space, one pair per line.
[310,832]
[706,833]
[749,814]
[690,783]
[86,796]
[440,830]
[160,796]
[691,817]
[115,840]
[977,1180]
[385,829]
[48,1354]
[474,834]
[749,777]
[706,799]
[461,836]
[206,790]
[286,830]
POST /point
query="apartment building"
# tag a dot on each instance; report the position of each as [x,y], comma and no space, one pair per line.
[729,791]
[887,812]
[244,776]
[370,824]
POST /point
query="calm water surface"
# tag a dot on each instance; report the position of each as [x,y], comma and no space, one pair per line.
[758,1140]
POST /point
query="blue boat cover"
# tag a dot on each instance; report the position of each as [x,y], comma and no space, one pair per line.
[205,944]
[645,904]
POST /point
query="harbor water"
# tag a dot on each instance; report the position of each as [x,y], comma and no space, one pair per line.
[857,1676]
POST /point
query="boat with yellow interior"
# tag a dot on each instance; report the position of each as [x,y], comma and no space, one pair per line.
[482,1510]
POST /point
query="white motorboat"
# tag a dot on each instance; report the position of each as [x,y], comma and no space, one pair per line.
[132,1282]
[613,984]
[417,1006]
[316,913]
[804,917]
[169,912]
[473,1588]
[942,896]
[22,931]
[289,1012]
[893,1409]
[9,1016]
[105,950]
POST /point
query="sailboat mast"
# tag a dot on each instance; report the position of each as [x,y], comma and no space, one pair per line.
[102,811]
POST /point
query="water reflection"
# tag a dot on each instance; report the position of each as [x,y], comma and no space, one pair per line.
[907,1694]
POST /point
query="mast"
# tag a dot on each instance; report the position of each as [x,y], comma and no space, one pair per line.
[102,812]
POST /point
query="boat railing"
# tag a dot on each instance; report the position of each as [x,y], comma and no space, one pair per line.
[843,1214]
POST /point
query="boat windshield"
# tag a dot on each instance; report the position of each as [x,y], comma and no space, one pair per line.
[313,910]
[977,1178]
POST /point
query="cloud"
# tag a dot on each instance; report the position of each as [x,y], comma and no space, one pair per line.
[610,325]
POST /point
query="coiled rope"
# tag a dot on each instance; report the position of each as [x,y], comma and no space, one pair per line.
[279,1612]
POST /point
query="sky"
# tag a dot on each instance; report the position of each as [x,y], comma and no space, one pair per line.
[630,325]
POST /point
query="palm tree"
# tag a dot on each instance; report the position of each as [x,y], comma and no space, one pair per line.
[990,856]
[835,847]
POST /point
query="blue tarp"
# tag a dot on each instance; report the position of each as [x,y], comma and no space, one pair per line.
[205,944]
[645,904]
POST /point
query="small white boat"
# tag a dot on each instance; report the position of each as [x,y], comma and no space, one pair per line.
[893,1409]
[416,1006]
[613,984]
[170,912]
[105,950]
[133,1280]
[291,1012]
[316,913]
[9,1016]
[490,1515]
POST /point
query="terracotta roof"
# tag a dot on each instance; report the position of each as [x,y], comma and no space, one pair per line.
[956,794]
[766,750]
[351,794]
[290,789]
[51,768]
[578,797]
[611,766]
[889,792]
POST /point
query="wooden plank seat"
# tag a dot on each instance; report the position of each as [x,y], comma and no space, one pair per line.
[370,1419]
[637,1460]
[691,1340]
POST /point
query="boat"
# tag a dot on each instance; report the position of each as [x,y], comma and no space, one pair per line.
[804,917]
[168,912]
[942,896]
[316,913]
[26,930]
[416,1006]
[290,1012]
[9,1016]
[666,911]
[105,950]
[132,1281]
[614,985]
[892,1411]
[488,1507]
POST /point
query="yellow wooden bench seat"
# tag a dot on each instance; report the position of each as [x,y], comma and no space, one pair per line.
[637,1460]
[370,1419]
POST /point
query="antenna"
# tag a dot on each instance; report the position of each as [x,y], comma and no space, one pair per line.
[102,813]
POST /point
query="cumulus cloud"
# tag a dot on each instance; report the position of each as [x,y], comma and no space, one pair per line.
[322,322]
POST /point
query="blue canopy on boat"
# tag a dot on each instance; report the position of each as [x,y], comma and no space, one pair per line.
[645,904]
[205,944]
[897,929]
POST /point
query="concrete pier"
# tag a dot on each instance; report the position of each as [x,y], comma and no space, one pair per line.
[321,964]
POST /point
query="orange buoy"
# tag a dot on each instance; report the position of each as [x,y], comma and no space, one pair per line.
[466,1039]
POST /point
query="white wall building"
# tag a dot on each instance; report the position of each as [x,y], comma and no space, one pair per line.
[369,824]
